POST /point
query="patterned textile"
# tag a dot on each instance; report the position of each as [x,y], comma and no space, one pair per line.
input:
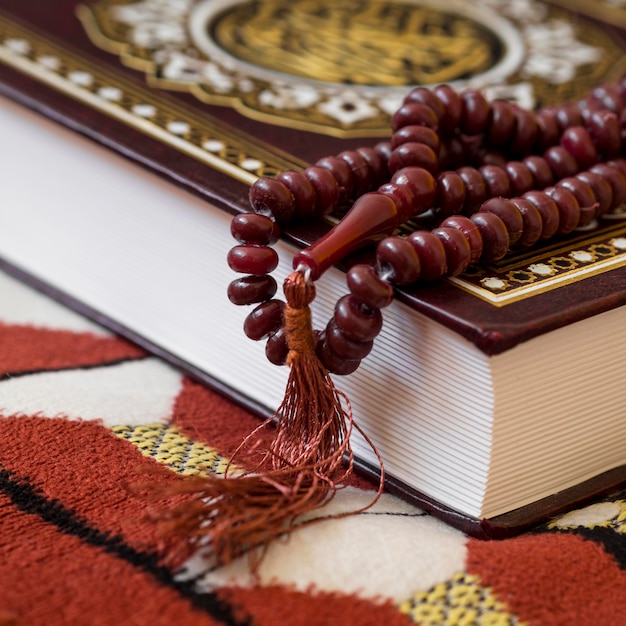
[85,416]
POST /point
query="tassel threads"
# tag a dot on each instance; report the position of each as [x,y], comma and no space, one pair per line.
[308,458]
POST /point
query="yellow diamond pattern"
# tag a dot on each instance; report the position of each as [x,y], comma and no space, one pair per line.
[461,601]
[167,445]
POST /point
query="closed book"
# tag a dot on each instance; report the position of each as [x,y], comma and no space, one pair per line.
[495,398]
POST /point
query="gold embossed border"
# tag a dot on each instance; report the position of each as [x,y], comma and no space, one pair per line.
[201,137]
[528,274]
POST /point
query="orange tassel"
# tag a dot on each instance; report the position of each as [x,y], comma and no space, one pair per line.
[309,457]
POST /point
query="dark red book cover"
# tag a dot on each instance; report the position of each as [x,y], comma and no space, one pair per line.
[212,94]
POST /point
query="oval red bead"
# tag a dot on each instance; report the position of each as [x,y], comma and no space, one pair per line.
[475,189]
[501,128]
[264,319]
[257,260]
[496,181]
[422,185]
[326,189]
[271,197]
[470,232]
[494,233]
[450,197]
[365,284]
[453,108]
[344,347]
[568,207]
[547,209]
[533,224]
[416,134]
[342,173]
[254,228]
[431,253]
[578,142]
[601,190]
[508,213]
[476,112]
[276,348]
[397,260]
[413,154]
[414,113]
[251,289]
[302,191]
[356,320]
[456,245]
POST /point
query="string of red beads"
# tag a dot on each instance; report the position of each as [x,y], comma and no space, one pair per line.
[483,211]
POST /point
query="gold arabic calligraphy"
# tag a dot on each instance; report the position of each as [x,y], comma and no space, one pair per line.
[357,42]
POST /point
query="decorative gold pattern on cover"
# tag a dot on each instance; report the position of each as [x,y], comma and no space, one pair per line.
[167,445]
[343,68]
[202,137]
[529,273]
[461,601]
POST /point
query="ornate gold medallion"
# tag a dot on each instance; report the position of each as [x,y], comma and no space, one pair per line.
[342,68]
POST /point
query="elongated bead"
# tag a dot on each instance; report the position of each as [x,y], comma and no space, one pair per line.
[476,112]
[326,189]
[371,215]
[526,131]
[257,260]
[359,168]
[251,289]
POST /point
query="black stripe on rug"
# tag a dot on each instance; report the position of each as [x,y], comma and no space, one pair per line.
[29,499]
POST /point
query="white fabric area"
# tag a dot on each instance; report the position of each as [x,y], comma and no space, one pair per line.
[391,551]
[25,306]
[133,393]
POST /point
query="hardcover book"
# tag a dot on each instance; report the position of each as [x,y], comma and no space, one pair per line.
[495,398]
